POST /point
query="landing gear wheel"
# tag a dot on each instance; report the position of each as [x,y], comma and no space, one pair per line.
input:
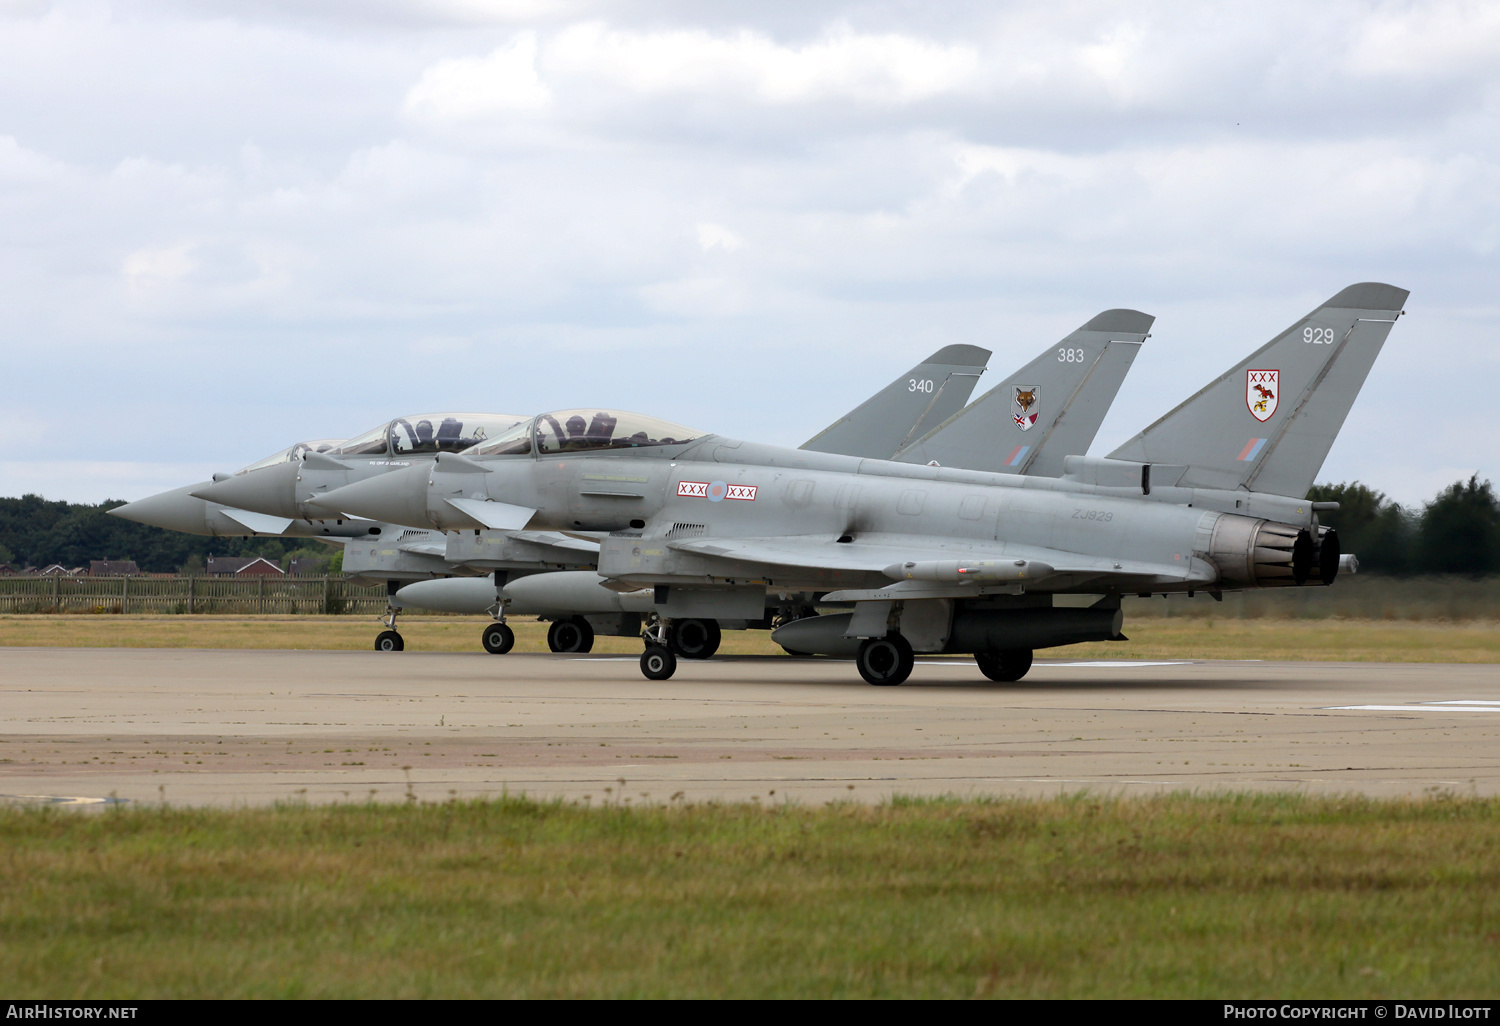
[1006,666]
[885,661]
[389,641]
[571,635]
[694,639]
[658,663]
[498,639]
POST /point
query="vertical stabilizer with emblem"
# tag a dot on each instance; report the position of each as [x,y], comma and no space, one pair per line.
[1049,409]
[907,408]
[1267,423]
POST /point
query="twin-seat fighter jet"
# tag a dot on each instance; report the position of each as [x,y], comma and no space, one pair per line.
[1211,497]
[269,498]
[909,419]
[181,510]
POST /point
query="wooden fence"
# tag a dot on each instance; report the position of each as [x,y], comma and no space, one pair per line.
[188,595]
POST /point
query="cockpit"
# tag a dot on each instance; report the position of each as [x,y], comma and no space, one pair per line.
[429,432]
[294,452]
[584,430]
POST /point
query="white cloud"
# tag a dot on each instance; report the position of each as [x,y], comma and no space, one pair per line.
[459,88]
[147,268]
[887,68]
[715,236]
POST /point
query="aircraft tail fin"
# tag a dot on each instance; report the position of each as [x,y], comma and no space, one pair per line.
[1049,409]
[907,408]
[1267,423]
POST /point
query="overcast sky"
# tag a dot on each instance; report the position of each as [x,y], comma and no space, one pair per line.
[226,226]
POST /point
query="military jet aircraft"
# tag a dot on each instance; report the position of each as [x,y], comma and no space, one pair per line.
[1079,378]
[1211,497]
[575,599]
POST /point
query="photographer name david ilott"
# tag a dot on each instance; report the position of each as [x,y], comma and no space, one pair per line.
[1356,1010]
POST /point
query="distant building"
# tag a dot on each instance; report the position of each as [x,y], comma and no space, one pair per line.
[309,566]
[113,568]
[243,566]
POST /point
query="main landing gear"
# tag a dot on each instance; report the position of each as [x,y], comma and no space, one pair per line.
[694,639]
[573,634]
[1007,665]
[885,661]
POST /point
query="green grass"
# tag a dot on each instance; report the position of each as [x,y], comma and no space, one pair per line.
[1226,896]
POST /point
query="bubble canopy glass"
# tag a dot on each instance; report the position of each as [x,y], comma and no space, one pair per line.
[294,452]
[584,430]
[429,432]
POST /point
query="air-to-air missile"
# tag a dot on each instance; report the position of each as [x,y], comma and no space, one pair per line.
[1211,497]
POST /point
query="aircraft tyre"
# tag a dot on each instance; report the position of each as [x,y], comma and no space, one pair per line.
[885,661]
[1006,666]
[498,638]
[389,641]
[658,662]
[694,639]
[571,635]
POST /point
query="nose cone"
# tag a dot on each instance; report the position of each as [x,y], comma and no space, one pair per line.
[396,497]
[270,490]
[177,510]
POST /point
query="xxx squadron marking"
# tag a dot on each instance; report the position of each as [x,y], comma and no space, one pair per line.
[1262,387]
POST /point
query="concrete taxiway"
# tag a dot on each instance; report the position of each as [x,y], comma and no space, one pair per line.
[253,727]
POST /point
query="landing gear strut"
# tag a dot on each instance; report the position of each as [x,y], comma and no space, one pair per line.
[388,640]
[658,662]
[497,638]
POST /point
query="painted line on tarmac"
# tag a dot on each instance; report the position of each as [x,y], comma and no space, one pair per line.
[1110,664]
[1448,706]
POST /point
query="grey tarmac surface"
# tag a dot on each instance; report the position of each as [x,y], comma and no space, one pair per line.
[255,727]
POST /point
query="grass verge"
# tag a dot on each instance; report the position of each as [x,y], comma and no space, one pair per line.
[1424,641]
[1180,896]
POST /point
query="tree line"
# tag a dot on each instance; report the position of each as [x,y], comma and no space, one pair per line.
[1458,532]
[38,532]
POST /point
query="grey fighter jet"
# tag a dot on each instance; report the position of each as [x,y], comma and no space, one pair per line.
[937,559]
[181,510]
[924,397]
[1080,376]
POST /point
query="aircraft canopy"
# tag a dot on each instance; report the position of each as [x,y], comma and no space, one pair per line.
[429,432]
[585,429]
[294,452]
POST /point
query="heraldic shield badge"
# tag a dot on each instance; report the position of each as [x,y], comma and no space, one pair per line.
[1025,405]
[1262,387]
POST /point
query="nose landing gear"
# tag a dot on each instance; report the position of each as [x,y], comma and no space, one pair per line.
[498,638]
[388,640]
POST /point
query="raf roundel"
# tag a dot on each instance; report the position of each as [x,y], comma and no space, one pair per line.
[716,491]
